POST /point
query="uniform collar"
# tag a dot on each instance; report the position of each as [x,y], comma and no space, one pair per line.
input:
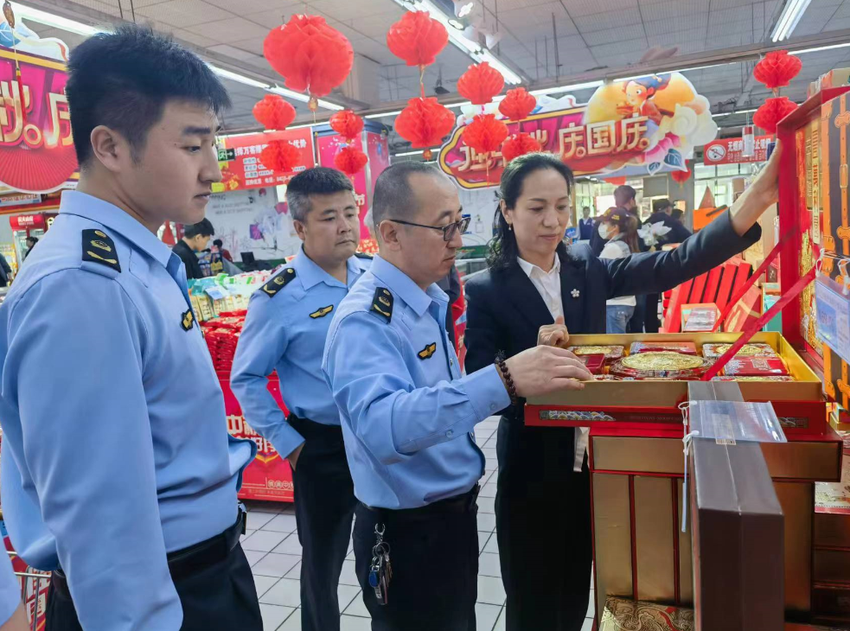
[311,274]
[403,286]
[113,218]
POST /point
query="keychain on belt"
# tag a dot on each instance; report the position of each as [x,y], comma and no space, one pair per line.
[380,571]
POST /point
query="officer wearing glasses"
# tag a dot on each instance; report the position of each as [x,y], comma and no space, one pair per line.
[408,414]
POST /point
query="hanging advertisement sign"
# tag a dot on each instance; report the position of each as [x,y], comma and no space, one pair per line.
[633,128]
[241,168]
[732,150]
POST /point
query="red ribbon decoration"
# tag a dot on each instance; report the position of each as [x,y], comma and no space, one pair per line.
[751,329]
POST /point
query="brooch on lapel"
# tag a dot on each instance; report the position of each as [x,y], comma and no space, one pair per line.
[575,293]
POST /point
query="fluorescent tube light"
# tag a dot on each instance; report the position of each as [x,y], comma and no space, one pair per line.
[789,18]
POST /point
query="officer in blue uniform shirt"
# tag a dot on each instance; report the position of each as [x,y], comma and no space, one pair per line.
[288,320]
[12,615]
[408,414]
[117,470]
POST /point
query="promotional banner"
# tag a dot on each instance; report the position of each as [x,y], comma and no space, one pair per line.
[638,127]
[239,159]
[731,151]
[36,148]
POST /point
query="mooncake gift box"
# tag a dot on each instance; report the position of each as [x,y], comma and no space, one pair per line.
[628,615]
[687,348]
[755,367]
[661,365]
[715,350]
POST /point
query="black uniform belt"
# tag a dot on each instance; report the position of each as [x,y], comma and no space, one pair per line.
[313,429]
[462,503]
[188,561]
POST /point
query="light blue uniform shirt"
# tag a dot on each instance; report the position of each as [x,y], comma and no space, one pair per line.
[10,588]
[407,413]
[286,332]
[115,444]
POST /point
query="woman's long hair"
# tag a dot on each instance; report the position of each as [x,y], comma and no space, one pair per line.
[503,248]
[626,223]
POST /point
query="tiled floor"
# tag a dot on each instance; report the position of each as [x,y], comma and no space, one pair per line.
[272,547]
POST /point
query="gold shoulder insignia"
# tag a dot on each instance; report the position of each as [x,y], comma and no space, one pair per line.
[429,350]
[382,303]
[187,319]
[278,282]
[321,313]
[98,247]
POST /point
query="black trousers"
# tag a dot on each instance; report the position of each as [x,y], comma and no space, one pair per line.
[543,528]
[638,317]
[219,597]
[434,558]
[324,510]
[651,321]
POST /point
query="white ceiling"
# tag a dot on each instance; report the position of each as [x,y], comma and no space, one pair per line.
[588,35]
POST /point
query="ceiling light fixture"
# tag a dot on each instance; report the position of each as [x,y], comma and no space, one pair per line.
[383,114]
[567,88]
[473,49]
[410,153]
[463,10]
[789,18]
[820,48]
[719,114]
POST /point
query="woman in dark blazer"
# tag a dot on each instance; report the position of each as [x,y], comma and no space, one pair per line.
[542,504]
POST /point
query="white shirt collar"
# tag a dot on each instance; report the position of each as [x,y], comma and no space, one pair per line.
[529,268]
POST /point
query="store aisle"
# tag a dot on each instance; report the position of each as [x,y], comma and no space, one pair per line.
[272,547]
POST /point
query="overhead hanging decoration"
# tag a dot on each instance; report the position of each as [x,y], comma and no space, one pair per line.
[347,124]
[485,134]
[417,39]
[518,104]
[273,112]
[350,160]
[680,177]
[480,83]
[772,111]
[310,55]
[519,145]
[424,123]
[279,155]
[776,69]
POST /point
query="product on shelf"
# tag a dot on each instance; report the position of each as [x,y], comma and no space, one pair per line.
[222,334]
[715,350]
[755,367]
[688,348]
[611,352]
[760,378]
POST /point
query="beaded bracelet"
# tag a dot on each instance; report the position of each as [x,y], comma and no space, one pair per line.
[503,368]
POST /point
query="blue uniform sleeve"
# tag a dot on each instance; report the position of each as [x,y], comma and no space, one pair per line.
[75,368]
[365,369]
[10,588]
[262,343]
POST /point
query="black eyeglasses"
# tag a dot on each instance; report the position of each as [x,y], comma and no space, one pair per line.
[448,231]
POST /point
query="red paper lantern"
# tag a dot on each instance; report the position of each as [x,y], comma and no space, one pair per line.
[310,55]
[619,180]
[485,133]
[417,38]
[517,104]
[680,177]
[518,145]
[350,160]
[777,68]
[772,111]
[274,112]
[347,124]
[424,122]
[279,155]
[480,83]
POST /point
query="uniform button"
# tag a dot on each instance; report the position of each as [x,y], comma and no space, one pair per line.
[452,362]
[450,433]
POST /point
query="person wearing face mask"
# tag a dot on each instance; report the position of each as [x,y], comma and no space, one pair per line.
[537,291]
[619,230]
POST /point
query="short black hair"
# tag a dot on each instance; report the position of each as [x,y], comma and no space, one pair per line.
[393,194]
[123,80]
[33,239]
[659,205]
[315,181]
[623,194]
[203,228]
[219,243]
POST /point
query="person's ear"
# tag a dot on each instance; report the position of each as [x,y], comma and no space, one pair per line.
[110,148]
[503,208]
[389,232]
[300,229]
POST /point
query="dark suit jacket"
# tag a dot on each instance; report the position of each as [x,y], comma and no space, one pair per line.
[505,311]
[678,233]
[190,260]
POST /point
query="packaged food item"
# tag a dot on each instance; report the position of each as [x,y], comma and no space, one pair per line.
[688,348]
[595,362]
[755,367]
[715,350]
[611,352]
[661,365]
[760,378]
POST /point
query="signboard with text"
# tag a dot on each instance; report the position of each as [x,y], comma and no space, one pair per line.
[730,151]
[240,163]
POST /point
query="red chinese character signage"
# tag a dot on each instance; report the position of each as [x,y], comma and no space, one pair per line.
[36,148]
[240,163]
[731,151]
[637,127]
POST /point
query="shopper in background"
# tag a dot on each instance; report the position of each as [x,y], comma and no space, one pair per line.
[662,212]
[5,272]
[620,231]
[625,199]
[225,253]
[120,477]
[585,224]
[288,320]
[545,545]
[30,241]
[196,238]
[408,415]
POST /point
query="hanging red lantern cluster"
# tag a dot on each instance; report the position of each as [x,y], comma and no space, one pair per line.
[777,68]
[274,112]
[350,160]
[519,145]
[480,83]
[680,177]
[347,124]
[517,104]
[280,156]
[417,39]
[772,111]
[485,133]
[310,55]
[424,123]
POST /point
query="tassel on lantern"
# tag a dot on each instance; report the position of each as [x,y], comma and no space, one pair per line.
[350,160]
[519,145]
[480,83]
[280,156]
[274,112]
[772,111]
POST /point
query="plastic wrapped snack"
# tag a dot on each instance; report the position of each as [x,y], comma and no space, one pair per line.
[611,352]
[688,348]
[595,362]
[755,367]
[661,365]
[754,349]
